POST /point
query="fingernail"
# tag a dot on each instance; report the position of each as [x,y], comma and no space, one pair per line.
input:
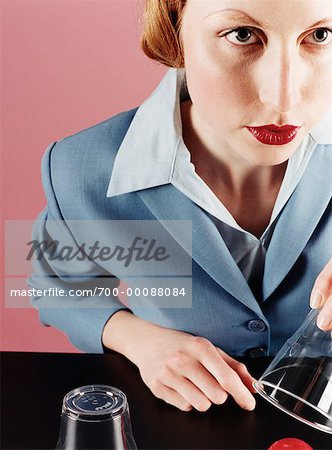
[323,322]
[315,300]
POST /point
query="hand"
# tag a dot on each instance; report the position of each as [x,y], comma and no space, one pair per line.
[188,371]
[321,297]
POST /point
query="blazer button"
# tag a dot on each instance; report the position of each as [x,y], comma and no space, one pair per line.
[256,352]
[256,325]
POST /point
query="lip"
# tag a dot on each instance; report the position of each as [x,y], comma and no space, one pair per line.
[274,135]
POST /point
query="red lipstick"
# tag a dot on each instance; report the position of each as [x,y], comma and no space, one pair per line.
[274,135]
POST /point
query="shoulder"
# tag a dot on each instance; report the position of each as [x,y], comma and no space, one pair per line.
[111,130]
[81,164]
[102,139]
[93,146]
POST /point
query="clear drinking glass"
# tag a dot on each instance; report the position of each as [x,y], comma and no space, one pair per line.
[299,379]
[95,417]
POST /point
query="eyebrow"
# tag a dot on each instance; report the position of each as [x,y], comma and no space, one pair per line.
[322,22]
[237,16]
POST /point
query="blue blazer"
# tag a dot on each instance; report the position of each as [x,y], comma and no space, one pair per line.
[76,173]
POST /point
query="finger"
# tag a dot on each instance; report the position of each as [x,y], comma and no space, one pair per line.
[206,383]
[188,391]
[241,370]
[228,379]
[324,319]
[173,398]
[322,287]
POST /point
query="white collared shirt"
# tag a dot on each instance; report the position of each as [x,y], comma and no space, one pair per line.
[153,153]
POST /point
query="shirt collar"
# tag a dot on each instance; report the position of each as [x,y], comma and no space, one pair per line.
[146,156]
[147,153]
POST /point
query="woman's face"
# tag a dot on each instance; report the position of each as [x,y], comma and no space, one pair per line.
[251,63]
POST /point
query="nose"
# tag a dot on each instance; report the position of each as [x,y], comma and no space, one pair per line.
[280,78]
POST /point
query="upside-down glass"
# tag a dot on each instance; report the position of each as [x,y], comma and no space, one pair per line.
[299,379]
[95,417]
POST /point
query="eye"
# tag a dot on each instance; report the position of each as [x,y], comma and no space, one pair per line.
[319,36]
[241,36]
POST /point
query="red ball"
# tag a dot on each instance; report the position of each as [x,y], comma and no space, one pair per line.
[290,444]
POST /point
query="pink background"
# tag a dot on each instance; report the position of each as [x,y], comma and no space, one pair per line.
[65,65]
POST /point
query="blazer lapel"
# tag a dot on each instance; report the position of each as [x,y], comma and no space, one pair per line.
[208,248]
[299,219]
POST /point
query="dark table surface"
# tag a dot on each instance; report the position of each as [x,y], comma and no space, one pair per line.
[33,386]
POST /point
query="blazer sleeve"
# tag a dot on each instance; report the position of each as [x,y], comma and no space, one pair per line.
[82,318]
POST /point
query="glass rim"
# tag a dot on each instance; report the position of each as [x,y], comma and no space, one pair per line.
[317,426]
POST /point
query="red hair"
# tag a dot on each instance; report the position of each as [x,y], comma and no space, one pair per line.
[161,36]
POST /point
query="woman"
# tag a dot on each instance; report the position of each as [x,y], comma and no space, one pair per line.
[238,140]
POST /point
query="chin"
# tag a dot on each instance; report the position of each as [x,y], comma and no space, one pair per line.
[273,155]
